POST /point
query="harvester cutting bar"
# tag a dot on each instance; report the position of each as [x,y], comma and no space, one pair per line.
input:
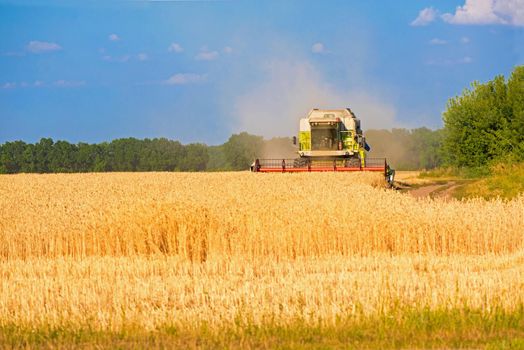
[306,165]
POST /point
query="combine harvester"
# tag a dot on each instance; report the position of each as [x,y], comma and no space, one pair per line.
[329,140]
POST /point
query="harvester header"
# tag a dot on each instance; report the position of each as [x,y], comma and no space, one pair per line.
[328,140]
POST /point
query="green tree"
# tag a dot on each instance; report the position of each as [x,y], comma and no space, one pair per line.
[241,149]
[195,158]
[485,123]
[426,148]
[29,164]
[43,150]
[12,157]
[63,157]
[516,102]
[123,154]
[86,155]
[217,159]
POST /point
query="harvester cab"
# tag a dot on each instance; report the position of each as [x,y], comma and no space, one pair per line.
[332,134]
[328,140]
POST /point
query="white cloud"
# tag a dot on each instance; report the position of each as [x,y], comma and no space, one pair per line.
[68,83]
[318,48]
[507,12]
[142,56]
[437,41]
[227,50]
[425,17]
[9,85]
[450,62]
[465,40]
[23,84]
[290,89]
[185,78]
[38,84]
[175,47]
[206,55]
[13,53]
[511,11]
[42,46]
[113,37]
[121,59]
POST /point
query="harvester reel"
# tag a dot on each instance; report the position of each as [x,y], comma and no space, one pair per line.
[300,162]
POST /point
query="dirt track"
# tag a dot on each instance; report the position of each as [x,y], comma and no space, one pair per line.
[425,191]
[444,191]
[409,181]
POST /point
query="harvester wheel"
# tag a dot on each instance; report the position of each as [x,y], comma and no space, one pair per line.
[352,163]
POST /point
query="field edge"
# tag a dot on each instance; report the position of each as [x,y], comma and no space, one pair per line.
[408,327]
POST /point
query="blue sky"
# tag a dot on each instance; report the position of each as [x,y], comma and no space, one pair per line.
[197,71]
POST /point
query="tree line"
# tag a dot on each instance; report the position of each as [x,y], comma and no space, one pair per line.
[406,149]
[128,154]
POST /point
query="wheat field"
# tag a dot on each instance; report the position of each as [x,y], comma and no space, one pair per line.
[150,249]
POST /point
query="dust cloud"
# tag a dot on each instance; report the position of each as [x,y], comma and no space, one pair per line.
[279,148]
[290,89]
[385,145]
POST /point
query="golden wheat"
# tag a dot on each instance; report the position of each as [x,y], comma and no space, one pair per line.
[176,248]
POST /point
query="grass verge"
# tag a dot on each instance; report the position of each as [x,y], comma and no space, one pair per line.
[406,328]
[504,181]
[455,173]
